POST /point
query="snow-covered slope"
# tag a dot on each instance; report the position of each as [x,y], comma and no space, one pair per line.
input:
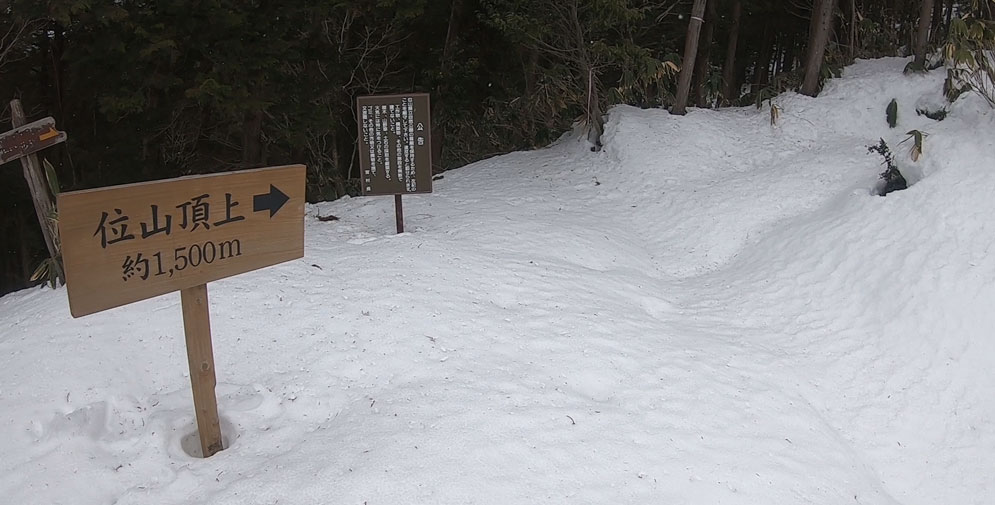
[711,310]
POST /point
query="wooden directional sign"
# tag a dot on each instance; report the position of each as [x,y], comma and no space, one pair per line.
[395,144]
[126,243]
[30,138]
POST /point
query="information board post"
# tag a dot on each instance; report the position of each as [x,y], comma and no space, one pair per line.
[395,147]
[399,214]
[127,243]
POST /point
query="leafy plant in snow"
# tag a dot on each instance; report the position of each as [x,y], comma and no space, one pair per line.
[891,113]
[915,152]
[775,113]
[892,177]
[936,115]
[49,269]
[969,58]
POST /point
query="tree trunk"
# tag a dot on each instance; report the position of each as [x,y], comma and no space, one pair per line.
[762,69]
[438,98]
[687,66]
[922,33]
[452,31]
[596,123]
[701,65]
[775,59]
[252,148]
[586,74]
[788,61]
[340,172]
[898,11]
[819,29]
[948,16]
[937,25]
[531,69]
[729,84]
[983,10]
[854,30]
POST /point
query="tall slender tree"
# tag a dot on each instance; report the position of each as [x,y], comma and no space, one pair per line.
[729,85]
[818,37]
[702,64]
[922,32]
[690,51]
[761,74]
[441,90]
[936,32]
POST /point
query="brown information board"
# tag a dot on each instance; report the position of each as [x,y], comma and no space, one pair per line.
[126,243]
[395,149]
[30,138]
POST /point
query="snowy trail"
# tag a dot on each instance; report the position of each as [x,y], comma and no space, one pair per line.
[568,374]
[710,311]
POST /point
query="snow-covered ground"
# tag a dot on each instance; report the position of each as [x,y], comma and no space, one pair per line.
[712,310]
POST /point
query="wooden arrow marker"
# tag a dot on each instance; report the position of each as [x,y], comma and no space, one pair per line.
[271,201]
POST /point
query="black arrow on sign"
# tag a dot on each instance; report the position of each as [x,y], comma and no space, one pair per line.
[271,201]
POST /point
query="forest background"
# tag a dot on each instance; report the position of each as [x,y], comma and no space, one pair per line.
[156,89]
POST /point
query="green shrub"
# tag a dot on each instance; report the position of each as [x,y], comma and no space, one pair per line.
[968,54]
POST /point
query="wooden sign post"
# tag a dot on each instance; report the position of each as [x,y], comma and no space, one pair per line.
[27,139]
[395,147]
[200,356]
[22,143]
[123,244]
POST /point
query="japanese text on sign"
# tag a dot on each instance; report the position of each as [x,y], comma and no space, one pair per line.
[30,138]
[192,214]
[395,148]
[127,243]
